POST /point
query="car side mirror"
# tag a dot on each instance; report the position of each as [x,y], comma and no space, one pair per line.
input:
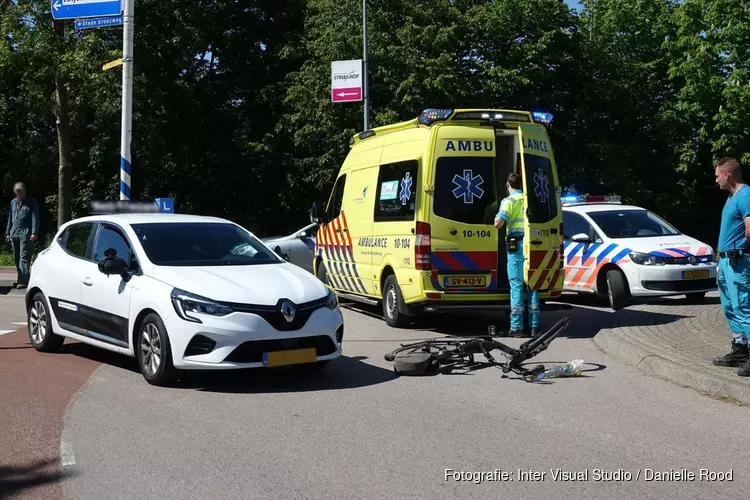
[581,238]
[114,265]
[280,253]
[318,214]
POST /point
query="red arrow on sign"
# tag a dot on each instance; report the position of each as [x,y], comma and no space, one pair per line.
[346,95]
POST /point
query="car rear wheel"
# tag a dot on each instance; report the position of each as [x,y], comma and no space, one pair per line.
[393,304]
[154,352]
[40,326]
[695,298]
[617,290]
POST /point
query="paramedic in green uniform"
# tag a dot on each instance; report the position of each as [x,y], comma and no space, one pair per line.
[511,216]
[22,231]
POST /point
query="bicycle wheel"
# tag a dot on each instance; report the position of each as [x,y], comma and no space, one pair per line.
[426,346]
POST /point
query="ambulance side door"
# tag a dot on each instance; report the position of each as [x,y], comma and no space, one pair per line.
[543,268]
[354,232]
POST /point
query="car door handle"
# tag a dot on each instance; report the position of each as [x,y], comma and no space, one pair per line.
[88,281]
[536,242]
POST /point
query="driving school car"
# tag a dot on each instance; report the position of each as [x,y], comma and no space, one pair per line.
[179,292]
[626,251]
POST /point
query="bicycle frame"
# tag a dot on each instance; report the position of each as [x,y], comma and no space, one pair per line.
[459,352]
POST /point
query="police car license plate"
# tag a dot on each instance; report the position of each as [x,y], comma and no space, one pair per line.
[291,357]
[692,275]
[465,281]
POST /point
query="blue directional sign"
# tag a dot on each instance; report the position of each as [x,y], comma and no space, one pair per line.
[98,22]
[81,9]
[166,205]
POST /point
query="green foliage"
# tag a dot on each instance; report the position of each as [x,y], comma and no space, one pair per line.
[233,116]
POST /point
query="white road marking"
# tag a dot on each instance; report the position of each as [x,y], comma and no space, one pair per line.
[5,332]
[67,456]
[19,323]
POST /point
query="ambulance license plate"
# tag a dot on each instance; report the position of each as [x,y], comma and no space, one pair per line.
[291,357]
[465,281]
[694,275]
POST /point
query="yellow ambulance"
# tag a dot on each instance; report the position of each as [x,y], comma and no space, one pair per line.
[409,223]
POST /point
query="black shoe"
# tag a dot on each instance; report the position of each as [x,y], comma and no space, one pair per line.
[517,334]
[737,356]
[744,370]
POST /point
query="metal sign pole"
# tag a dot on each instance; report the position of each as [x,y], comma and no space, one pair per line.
[365,86]
[127,100]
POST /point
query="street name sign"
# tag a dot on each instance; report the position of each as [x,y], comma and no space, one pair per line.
[346,81]
[80,9]
[98,22]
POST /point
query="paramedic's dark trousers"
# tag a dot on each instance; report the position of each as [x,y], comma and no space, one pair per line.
[23,248]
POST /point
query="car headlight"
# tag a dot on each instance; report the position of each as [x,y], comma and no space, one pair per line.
[332,301]
[645,259]
[186,304]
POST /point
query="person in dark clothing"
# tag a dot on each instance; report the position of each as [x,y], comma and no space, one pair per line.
[22,231]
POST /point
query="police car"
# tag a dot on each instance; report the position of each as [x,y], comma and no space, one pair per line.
[626,251]
[179,292]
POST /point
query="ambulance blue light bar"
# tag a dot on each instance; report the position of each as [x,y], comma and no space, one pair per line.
[572,199]
[432,115]
[542,118]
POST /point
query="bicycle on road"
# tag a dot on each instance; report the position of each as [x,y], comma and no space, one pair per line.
[444,355]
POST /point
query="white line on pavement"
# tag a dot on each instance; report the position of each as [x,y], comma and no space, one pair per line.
[4,332]
[19,323]
[67,456]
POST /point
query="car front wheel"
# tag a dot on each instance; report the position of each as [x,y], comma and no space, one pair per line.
[40,326]
[617,290]
[154,352]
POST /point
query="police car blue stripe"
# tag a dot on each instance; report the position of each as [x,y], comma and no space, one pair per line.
[605,252]
[623,253]
[662,255]
[681,252]
[589,252]
[573,252]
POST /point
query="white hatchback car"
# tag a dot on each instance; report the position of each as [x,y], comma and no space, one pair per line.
[625,251]
[179,292]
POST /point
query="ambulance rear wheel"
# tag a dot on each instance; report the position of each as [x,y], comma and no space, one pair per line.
[393,304]
[617,290]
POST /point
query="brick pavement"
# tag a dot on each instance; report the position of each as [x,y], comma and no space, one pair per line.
[674,340]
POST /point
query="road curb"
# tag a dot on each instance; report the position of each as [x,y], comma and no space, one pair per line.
[693,377]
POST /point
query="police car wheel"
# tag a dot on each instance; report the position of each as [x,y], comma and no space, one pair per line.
[617,290]
[393,304]
[39,326]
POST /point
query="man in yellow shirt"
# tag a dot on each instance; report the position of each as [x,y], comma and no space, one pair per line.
[511,215]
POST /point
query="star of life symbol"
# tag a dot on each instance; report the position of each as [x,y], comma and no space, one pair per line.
[468,186]
[405,188]
[541,186]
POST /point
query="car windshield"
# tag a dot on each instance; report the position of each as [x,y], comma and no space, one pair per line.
[201,244]
[631,224]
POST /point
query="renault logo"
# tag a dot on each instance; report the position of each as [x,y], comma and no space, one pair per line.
[288,311]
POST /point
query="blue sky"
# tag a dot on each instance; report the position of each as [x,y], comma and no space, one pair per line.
[573,3]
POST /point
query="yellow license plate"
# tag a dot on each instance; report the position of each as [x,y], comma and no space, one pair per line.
[292,357]
[692,275]
[465,281]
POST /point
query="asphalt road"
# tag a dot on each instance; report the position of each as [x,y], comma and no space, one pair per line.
[358,431]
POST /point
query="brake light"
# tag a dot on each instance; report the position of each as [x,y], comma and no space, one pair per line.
[423,247]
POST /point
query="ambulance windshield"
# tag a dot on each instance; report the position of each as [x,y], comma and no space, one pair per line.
[631,224]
